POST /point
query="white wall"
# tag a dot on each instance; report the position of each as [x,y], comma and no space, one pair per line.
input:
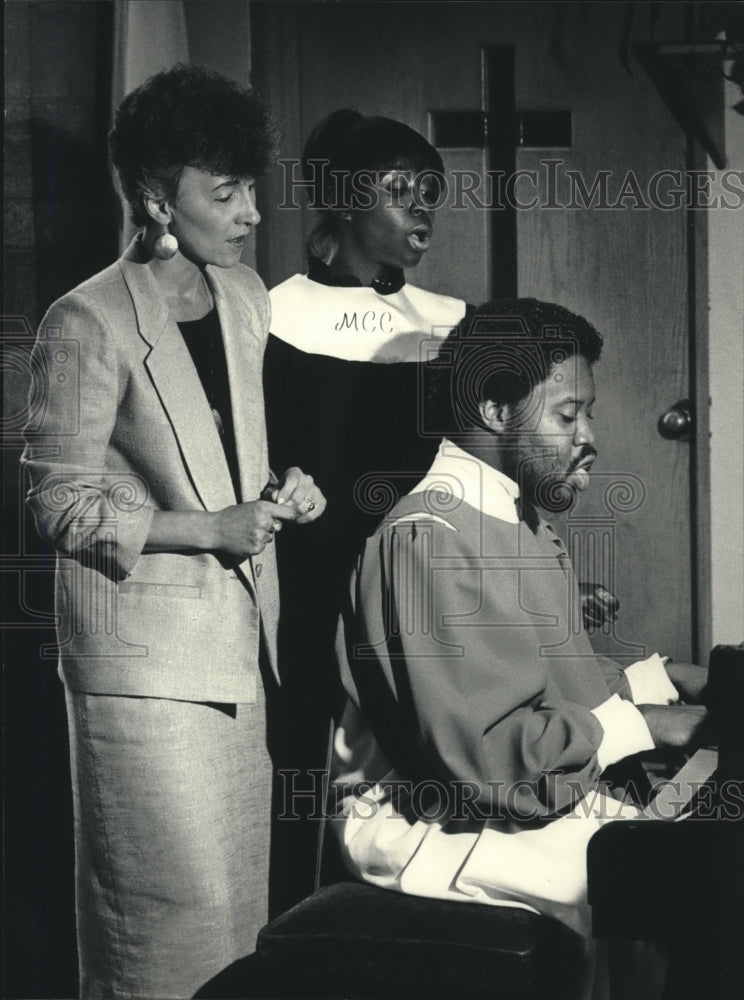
[726,360]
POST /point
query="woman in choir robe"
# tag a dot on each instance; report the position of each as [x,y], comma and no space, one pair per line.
[148,473]
[344,381]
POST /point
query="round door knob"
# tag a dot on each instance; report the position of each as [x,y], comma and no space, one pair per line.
[676,422]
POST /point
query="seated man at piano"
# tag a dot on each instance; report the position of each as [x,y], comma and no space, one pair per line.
[471,759]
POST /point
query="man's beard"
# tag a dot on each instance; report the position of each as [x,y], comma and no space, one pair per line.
[543,481]
[548,489]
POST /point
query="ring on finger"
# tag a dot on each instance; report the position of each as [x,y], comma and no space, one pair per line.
[275,525]
[308,504]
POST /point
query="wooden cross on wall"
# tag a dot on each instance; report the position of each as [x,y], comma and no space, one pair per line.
[501,129]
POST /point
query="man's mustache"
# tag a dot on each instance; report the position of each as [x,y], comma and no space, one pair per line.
[587,452]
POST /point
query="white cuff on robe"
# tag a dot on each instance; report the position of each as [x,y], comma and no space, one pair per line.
[649,682]
[625,730]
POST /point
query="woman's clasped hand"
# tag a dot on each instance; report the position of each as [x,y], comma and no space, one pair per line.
[245,529]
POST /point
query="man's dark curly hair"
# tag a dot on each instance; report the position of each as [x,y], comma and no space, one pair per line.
[187,116]
[501,351]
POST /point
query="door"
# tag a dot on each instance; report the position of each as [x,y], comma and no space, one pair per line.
[596,230]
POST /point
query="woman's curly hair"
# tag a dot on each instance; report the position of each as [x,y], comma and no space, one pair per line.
[187,116]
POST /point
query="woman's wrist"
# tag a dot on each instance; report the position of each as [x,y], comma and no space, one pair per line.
[170,531]
[211,534]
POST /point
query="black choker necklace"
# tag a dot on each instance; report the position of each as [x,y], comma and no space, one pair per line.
[389,283]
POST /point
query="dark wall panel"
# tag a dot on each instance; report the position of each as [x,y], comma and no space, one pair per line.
[61,224]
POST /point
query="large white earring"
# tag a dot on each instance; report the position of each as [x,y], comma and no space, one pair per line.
[165,246]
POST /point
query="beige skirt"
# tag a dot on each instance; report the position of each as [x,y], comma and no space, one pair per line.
[172,808]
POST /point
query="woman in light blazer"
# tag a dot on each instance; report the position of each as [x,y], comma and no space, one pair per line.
[148,473]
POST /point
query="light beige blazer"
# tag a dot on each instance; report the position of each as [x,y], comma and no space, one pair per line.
[120,427]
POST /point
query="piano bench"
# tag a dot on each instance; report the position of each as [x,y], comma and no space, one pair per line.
[355,940]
